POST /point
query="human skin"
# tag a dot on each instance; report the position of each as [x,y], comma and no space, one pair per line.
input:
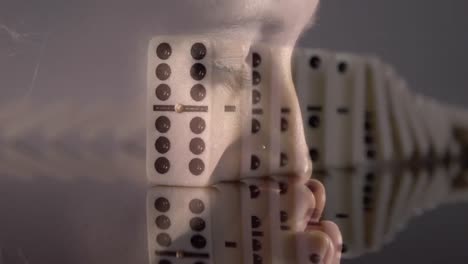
[93,51]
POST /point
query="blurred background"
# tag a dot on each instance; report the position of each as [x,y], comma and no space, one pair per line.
[426,42]
[78,220]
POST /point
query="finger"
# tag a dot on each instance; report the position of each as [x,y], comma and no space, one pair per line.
[300,201]
[304,206]
[317,188]
[313,247]
[333,232]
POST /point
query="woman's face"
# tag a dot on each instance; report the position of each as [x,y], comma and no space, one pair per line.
[93,51]
[95,42]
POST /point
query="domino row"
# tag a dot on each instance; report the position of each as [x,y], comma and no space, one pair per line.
[97,138]
[382,152]
[97,123]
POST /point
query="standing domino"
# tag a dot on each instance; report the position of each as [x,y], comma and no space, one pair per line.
[214,113]
[331,91]
[346,96]
[421,150]
[379,151]
[403,150]
[274,144]
[179,107]
[310,76]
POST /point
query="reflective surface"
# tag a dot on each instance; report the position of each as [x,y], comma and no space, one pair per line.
[83,195]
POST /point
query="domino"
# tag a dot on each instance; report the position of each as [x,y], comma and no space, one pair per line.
[292,153]
[176,215]
[430,119]
[345,102]
[421,152]
[346,96]
[331,93]
[453,157]
[404,149]
[459,184]
[180,111]
[258,147]
[275,143]
[452,168]
[180,225]
[458,190]
[296,207]
[330,89]
[458,117]
[232,96]
[444,131]
[378,150]
[310,76]
[231,84]
[260,221]
[346,208]
[228,245]
[408,180]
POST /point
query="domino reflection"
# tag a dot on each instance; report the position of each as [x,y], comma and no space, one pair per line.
[256,221]
[61,201]
[377,204]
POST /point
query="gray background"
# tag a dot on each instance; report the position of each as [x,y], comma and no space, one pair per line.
[426,42]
